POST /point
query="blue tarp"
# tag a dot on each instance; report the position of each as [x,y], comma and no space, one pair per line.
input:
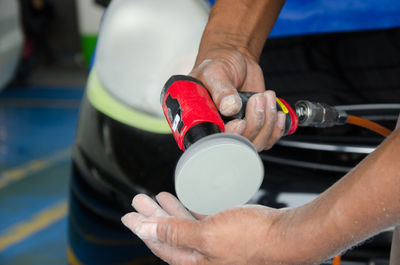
[300,17]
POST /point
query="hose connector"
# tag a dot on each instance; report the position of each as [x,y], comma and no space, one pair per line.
[315,114]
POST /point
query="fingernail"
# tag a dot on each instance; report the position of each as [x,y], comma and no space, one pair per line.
[158,196]
[147,231]
[230,105]
[134,201]
[280,122]
[271,99]
[124,219]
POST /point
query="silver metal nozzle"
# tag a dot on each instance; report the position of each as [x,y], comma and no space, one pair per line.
[315,114]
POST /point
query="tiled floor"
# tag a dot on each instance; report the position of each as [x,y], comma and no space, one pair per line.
[37,127]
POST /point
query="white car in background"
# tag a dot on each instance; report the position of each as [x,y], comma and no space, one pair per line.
[11,40]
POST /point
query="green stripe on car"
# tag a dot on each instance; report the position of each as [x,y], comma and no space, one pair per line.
[117,110]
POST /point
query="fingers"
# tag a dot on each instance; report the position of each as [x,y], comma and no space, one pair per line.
[265,132]
[152,225]
[264,125]
[141,226]
[222,77]
[216,77]
[255,116]
[147,206]
[277,131]
[168,206]
[175,232]
[173,206]
[236,126]
[181,233]
[146,229]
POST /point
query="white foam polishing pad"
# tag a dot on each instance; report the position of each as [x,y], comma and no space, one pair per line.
[217,172]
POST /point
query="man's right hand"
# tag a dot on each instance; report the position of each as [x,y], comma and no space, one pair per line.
[227,71]
[227,62]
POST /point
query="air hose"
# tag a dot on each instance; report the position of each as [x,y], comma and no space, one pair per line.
[314,114]
[373,126]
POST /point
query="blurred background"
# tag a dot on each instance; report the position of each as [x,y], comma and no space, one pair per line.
[45,48]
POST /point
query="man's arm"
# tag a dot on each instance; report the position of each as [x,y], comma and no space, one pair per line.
[227,61]
[240,24]
[362,203]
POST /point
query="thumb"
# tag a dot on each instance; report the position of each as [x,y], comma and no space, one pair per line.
[173,231]
[214,76]
[180,232]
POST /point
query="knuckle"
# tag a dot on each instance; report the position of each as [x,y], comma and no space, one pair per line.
[166,233]
[171,236]
[217,69]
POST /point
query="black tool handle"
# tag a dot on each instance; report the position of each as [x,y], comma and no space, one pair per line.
[245,96]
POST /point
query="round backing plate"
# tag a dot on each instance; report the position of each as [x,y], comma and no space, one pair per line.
[218,172]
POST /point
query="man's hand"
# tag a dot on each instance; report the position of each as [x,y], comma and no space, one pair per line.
[227,62]
[229,71]
[243,235]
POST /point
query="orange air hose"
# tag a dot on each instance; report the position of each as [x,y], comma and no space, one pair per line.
[373,126]
[336,260]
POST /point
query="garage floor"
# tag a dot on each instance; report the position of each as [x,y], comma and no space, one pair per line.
[37,127]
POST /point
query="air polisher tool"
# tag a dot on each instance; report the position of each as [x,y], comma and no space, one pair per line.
[217,170]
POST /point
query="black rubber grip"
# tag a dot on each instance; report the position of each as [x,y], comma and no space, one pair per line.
[245,96]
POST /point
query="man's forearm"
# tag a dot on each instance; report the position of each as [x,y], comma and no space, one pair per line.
[369,196]
[362,203]
[242,24]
